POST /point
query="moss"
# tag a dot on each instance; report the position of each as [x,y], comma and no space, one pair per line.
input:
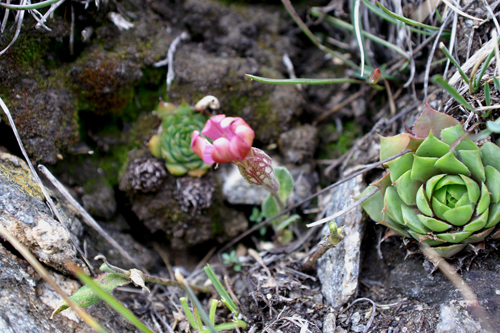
[28,51]
[332,145]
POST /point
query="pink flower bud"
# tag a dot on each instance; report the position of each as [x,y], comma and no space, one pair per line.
[257,169]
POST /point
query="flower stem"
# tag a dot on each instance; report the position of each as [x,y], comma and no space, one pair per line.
[281,205]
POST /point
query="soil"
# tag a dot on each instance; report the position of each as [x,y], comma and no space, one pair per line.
[88,116]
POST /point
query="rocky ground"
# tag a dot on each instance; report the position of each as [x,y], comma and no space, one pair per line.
[82,95]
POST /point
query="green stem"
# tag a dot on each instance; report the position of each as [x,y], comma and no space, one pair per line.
[281,205]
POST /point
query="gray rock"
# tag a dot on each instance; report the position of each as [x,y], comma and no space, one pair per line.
[24,214]
[456,319]
[99,200]
[338,268]
[237,190]
[26,302]
[329,323]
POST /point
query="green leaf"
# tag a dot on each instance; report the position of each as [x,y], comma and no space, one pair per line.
[449,251]
[459,216]
[431,184]
[101,290]
[433,224]
[400,165]
[31,6]
[438,79]
[392,145]
[455,237]
[406,20]
[422,203]
[393,204]
[487,95]
[478,223]
[493,183]
[373,206]
[493,126]
[496,81]
[484,201]
[473,190]
[432,147]
[472,160]
[494,217]
[424,239]
[423,168]
[288,221]
[286,182]
[270,207]
[453,61]
[188,313]
[407,188]
[490,154]
[412,221]
[450,164]
[453,133]
[85,296]
[304,81]
[220,289]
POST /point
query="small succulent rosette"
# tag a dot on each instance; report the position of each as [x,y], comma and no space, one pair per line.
[173,141]
[445,192]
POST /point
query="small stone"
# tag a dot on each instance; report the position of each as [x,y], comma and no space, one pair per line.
[338,268]
[457,320]
[298,145]
[329,323]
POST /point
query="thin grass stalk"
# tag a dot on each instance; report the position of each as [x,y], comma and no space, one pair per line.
[406,20]
[377,11]
[438,79]
[313,38]
[109,299]
[188,313]
[30,6]
[454,62]
[226,298]
[357,32]
[344,25]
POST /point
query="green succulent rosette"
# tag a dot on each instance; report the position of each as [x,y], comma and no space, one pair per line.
[445,192]
[173,141]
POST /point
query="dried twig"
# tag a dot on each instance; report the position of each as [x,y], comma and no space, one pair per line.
[86,216]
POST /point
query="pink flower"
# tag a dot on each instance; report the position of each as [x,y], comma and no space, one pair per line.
[232,137]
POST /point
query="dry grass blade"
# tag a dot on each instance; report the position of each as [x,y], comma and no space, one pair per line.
[449,4]
[86,216]
[45,275]
[19,19]
[343,211]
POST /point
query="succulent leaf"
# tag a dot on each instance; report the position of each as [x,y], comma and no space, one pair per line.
[472,160]
[423,168]
[399,166]
[434,121]
[407,188]
[432,147]
[445,192]
[493,183]
[173,142]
